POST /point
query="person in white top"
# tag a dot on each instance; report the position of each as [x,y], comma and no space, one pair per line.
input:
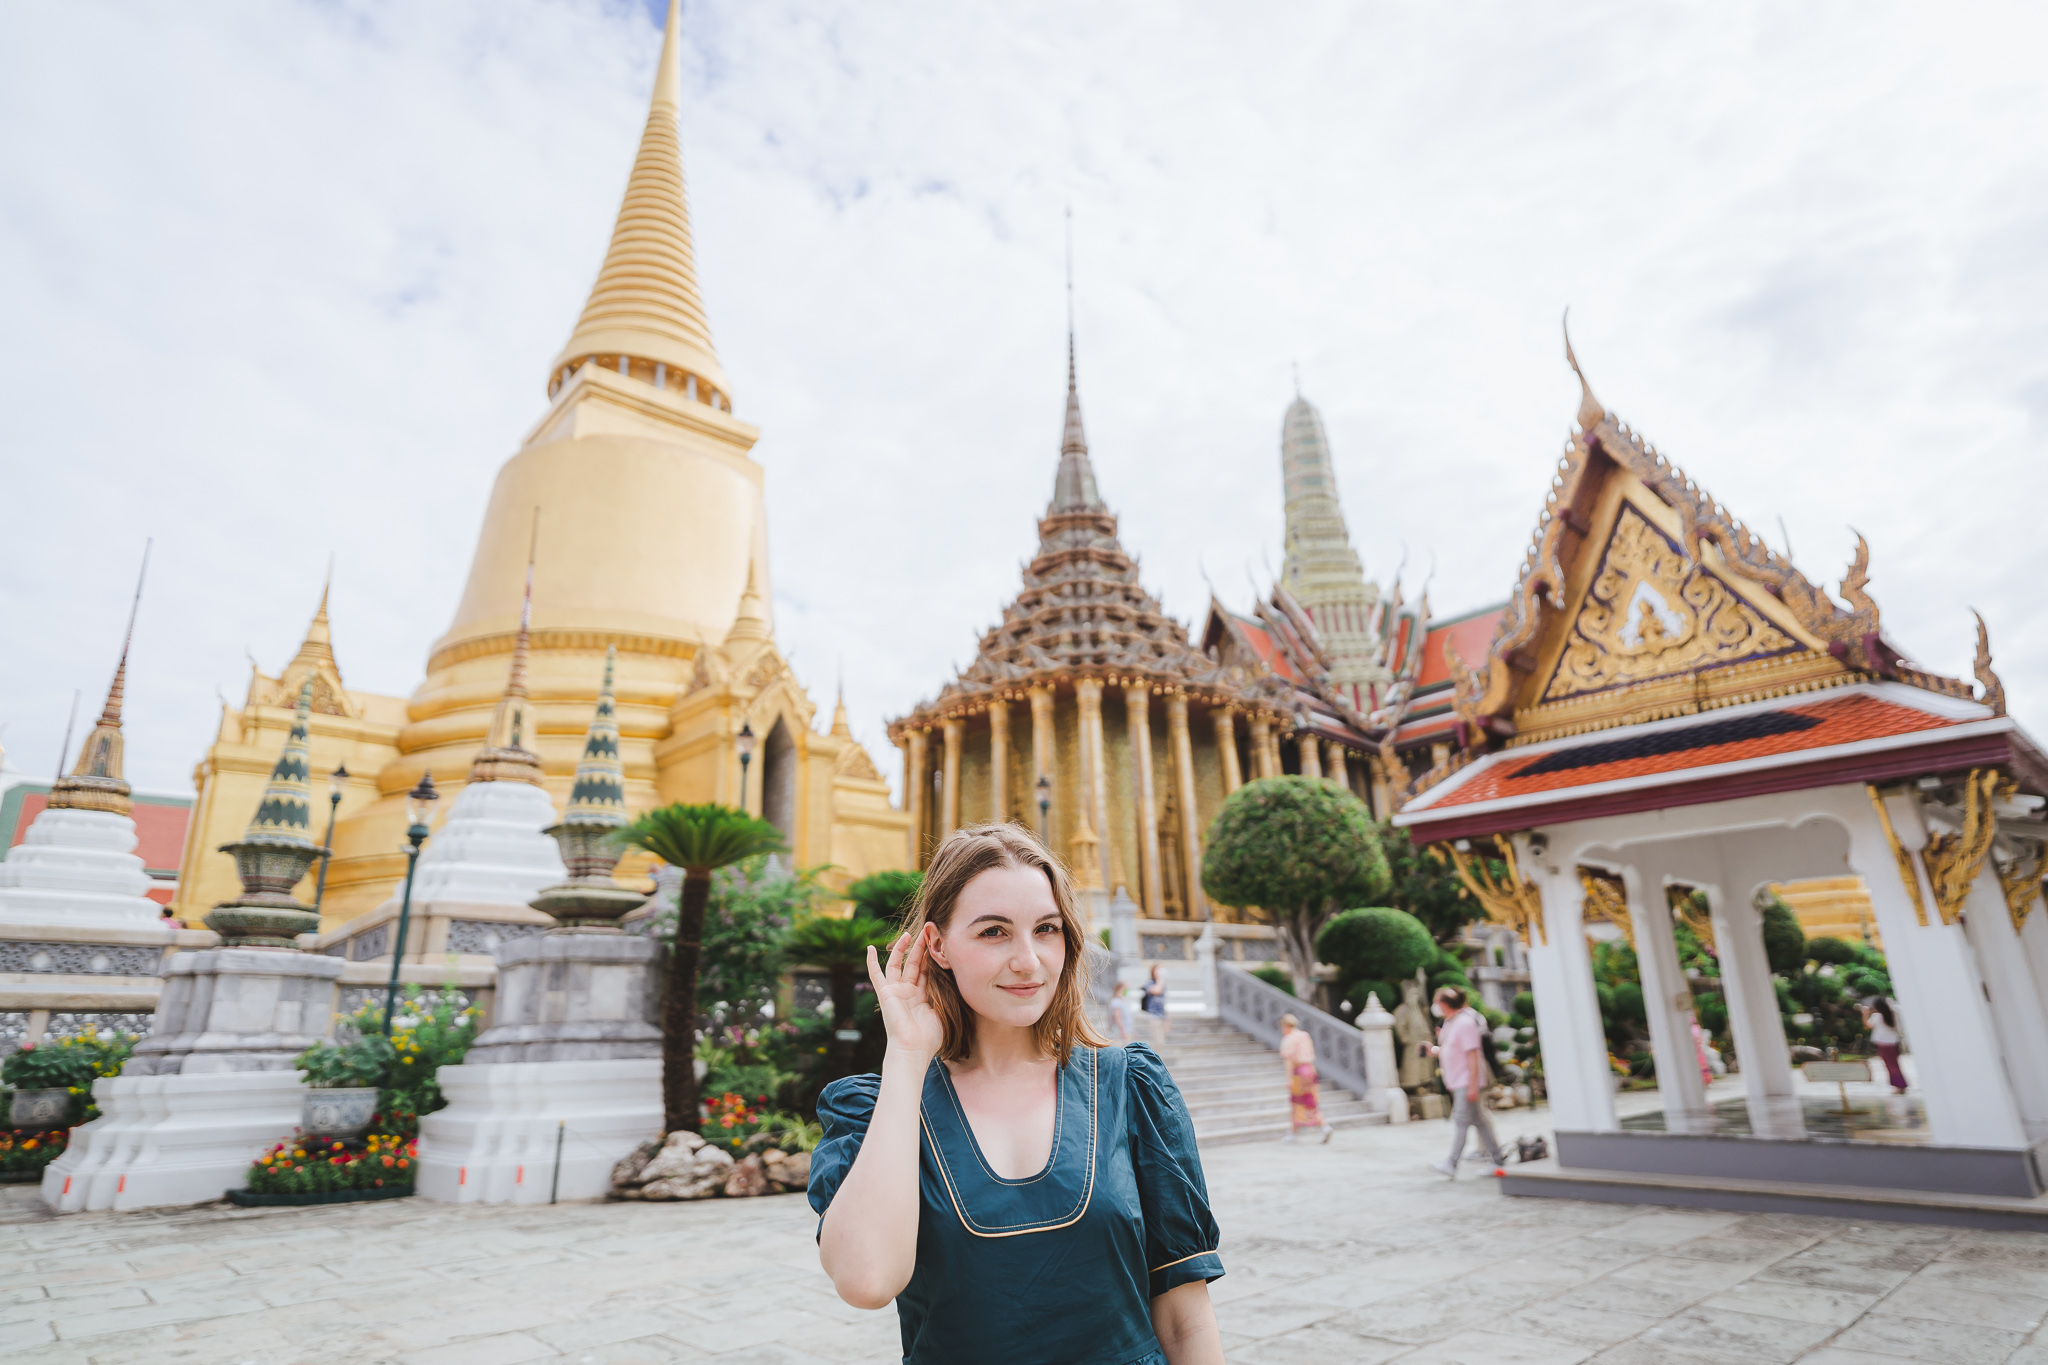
[1881,1017]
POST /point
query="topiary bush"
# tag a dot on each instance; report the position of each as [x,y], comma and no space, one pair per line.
[1832,952]
[1387,991]
[1274,975]
[1381,944]
[1784,940]
[1524,1004]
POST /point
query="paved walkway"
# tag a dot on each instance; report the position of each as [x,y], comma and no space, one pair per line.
[1350,1254]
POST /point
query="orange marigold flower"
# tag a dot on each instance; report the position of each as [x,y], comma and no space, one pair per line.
[29,1146]
[401,1162]
[387,1161]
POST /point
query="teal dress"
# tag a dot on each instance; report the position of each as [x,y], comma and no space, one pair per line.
[1059,1268]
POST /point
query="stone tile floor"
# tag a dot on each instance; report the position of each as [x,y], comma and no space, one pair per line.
[1349,1254]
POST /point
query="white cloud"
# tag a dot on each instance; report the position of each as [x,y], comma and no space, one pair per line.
[282,278]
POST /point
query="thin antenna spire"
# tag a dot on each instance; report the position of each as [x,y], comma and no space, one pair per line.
[1785,536]
[1297,379]
[67,733]
[1071,382]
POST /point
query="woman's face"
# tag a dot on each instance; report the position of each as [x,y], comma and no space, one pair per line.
[1004,945]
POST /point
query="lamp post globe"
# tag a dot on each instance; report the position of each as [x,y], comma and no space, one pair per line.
[336,781]
[419,806]
[744,742]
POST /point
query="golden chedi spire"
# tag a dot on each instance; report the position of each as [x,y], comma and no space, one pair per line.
[505,757]
[645,304]
[95,782]
[751,624]
[598,796]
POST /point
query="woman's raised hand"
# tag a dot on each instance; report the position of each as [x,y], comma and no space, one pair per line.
[899,985]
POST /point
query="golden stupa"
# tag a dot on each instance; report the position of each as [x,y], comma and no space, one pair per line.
[638,503]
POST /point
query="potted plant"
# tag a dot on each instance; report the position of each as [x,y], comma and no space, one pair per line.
[43,1078]
[342,1083]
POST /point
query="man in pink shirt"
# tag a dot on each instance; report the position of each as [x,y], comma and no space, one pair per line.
[1464,1066]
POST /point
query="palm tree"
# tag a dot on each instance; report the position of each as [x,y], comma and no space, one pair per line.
[884,895]
[840,946]
[699,840]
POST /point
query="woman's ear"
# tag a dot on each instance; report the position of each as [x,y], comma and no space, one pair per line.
[935,945]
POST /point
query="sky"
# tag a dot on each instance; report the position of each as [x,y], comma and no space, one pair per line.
[281,279]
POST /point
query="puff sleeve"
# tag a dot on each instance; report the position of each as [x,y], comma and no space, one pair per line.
[844,1110]
[1181,1236]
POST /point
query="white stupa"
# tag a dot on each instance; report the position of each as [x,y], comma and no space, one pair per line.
[490,850]
[77,867]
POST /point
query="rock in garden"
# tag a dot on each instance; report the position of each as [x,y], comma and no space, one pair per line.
[790,1173]
[628,1171]
[745,1179]
[677,1157]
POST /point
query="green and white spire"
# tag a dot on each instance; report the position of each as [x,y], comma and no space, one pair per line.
[285,814]
[598,796]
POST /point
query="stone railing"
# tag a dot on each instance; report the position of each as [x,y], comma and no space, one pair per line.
[1251,1006]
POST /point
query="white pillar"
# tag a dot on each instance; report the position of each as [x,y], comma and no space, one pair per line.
[1205,967]
[1941,994]
[1667,1001]
[2015,1000]
[1382,1068]
[1753,1016]
[1575,1070]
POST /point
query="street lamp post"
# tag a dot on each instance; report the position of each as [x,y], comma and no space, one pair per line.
[744,742]
[336,780]
[419,803]
[1044,789]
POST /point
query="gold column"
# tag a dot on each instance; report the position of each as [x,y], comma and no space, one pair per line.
[999,761]
[1137,713]
[914,788]
[1042,751]
[1382,788]
[1226,747]
[1311,764]
[1278,769]
[1262,745]
[1333,764]
[1093,785]
[949,791]
[1190,826]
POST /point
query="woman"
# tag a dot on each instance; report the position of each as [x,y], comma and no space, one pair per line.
[1298,1050]
[1025,1193]
[1155,999]
[1881,1018]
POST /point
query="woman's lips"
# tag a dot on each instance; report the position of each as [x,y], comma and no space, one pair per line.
[1031,989]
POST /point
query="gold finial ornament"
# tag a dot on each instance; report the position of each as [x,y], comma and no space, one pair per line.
[95,782]
[1954,859]
[273,856]
[1994,689]
[1591,414]
[505,757]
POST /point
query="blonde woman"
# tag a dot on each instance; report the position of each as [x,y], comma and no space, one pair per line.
[1024,1193]
[1298,1051]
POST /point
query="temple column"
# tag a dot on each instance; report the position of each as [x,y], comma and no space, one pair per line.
[1333,764]
[1667,1001]
[1382,788]
[914,788]
[1274,767]
[1262,745]
[1041,750]
[1311,761]
[949,793]
[1137,712]
[1574,1046]
[1226,746]
[999,761]
[1190,826]
[1094,786]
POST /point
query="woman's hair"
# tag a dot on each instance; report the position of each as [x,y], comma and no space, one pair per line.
[1451,996]
[1884,1007]
[1158,970]
[966,854]
[1289,1021]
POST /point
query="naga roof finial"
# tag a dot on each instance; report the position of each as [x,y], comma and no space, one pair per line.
[1591,414]
[1994,689]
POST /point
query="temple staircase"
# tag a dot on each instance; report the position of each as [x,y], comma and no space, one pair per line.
[1235,1088]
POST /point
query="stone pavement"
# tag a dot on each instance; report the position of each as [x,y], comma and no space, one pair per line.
[1349,1254]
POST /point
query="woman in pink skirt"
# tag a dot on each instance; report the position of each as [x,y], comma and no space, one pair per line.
[1298,1050]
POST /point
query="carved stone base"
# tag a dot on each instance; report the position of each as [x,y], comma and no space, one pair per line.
[164,1140]
[496,1141]
[565,996]
[238,1009]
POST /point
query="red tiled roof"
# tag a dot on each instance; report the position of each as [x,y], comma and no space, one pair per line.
[159,828]
[1633,752]
[1473,636]
[1261,641]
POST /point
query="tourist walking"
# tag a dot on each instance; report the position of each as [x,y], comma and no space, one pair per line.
[1298,1051]
[1464,1067]
[1155,1002]
[1881,1017]
[1120,1015]
[1025,1193]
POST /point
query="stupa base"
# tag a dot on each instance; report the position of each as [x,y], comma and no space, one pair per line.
[170,1140]
[526,1132]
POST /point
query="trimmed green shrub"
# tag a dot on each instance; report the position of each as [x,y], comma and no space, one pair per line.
[1525,1004]
[1784,940]
[1831,951]
[1274,975]
[1379,943]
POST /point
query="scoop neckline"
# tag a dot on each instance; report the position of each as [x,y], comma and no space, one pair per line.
[1059,1126]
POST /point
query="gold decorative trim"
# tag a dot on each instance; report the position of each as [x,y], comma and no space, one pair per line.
[1687,695]
[1087,1192]
[1607,903]
[1905,859]
[562,638]
[1701,922]
[1511,901]
[1994,690]
[1954,860]
[1183,1260]
[2021,881]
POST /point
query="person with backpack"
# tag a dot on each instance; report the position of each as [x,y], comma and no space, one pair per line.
[1461,1048]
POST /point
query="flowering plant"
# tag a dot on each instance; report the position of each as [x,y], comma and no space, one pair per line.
[732,1122]
[381,1161]
[69,1064]
[427,1034]
[24,1151]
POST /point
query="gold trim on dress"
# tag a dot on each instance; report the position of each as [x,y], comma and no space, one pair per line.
[1183,1260]
[1087,1191]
